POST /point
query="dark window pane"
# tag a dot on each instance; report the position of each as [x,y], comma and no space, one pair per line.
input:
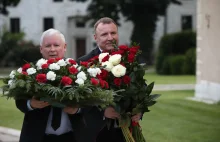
[80,24]
[186,22]
[15,25]
[80,47]
[48,23]
[57,0]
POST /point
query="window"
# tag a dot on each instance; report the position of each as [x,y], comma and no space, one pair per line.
[80,24]
[57,0]
[48,23]
[186,22]
[15,25]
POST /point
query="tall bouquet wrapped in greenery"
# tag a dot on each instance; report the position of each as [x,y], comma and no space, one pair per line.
[61,82]
[120,68]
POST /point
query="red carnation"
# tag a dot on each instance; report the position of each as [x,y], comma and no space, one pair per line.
[57,59]
[94,81]
[85,64]
[26,66]
[103,75]
[66,80]
[41,78]
[131,58]
[73,70]
[44,66]
[117,81]
[126,79]
[94,58]
[123,47]
[51,61]
[134,49]
[24,73]
[72,62]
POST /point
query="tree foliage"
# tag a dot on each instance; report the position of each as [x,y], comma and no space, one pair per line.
[5,3]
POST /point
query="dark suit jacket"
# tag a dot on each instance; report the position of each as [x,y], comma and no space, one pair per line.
[35,122]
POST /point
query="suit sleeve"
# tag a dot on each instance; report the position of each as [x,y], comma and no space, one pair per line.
[22,105]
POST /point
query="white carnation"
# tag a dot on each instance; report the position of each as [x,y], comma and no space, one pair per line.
[54,66]
[19,70]
[51,75]
[40,63]
[118,70]
[80,81]
[115,59]
[12,74]
[81,75]
[61,63]
[93,71]
[31,71]
[108,66]
[102,55]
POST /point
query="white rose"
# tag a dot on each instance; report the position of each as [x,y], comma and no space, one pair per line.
[93,71]
[80,81]
[19,70]
[61,63]
[115,59]
[118,70]
[81,75]
[31,71]
[12,74]
[51,75]
[40,63]
[108,65]
[102,55]
[54,66]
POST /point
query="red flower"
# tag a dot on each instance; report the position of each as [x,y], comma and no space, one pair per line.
[24,73]
[131,57]
[121,52]
[105,58]
[123,47]
[103,84]
[57,59]
[51,61]
[41,78]
[66,80]
[85,64]
[72,62]
[117,81]
[73,70]
[44,66]
[26,66]
[94,59]
[94,81]
[103,75]
[134,49]
[126,79]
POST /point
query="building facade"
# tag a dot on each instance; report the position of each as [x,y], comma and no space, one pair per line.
[35,16]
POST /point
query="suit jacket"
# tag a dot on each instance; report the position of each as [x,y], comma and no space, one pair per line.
[35,122]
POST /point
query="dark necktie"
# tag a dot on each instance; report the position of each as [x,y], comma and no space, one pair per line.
[56,118]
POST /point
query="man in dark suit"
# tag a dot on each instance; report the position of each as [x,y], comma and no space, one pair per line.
[105,33]
[38,124]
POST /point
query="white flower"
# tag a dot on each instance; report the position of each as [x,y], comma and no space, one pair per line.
[54,66]
[19,70]
[94,71]
[40,63]
[80,81]
[31,71]
[51,75]
[81,75]
[61,63]
[10,82]
[102,55]
[12,74]
[115,59]
[108,65]
[78,67]
[118,70]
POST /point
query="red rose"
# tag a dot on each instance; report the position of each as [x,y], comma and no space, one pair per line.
[121,52]
[85,64]
[103,84]
[41,78]
[123,47]
[57,59]
[72,62]
[105,58]
[94,81]
[44,66]
[126,79]
[24,73]
[51,61]
[73,70]
[66,80]
[103,75]
[117,81]
[26,66]
[134,49]
[131,58]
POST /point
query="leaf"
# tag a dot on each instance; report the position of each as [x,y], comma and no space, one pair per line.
[150,88]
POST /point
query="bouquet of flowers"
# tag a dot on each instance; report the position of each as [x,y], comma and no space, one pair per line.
[61,82]
[120,68]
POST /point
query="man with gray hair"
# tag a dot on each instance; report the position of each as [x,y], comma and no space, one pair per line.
[42,122]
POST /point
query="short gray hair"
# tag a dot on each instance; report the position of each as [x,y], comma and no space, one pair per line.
[50,32]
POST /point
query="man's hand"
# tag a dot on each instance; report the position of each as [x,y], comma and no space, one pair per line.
[38,104]
[111,113]
[70,110]
[136,117]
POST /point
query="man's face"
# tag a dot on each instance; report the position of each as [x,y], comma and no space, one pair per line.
[105,34]
[53,47]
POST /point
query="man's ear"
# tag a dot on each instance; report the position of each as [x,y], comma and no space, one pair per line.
[40,49]
[94,37]
[65,46]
